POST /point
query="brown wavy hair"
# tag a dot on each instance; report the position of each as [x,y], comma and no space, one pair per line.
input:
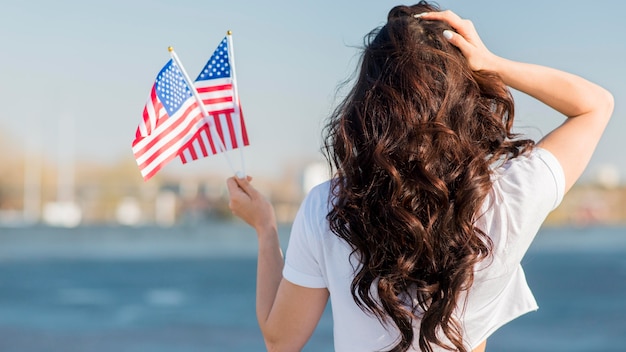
[413,144]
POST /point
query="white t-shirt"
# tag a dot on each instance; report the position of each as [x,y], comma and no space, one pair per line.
[524,191]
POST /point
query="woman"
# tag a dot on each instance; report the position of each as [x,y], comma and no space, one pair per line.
[418,238]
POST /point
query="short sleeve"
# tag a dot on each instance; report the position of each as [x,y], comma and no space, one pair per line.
[529,188]
[303,257]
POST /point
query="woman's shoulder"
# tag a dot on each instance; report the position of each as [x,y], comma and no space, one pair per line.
[525,190]
[314,208]
[530,161]
[319,197]
[532,174]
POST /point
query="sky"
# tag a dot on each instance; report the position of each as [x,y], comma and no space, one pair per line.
[93,63]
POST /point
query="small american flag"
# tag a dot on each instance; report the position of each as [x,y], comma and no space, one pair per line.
[173,124]
[215,85]
[170,118]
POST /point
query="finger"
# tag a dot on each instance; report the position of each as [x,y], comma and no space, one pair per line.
[447,16]
[233,187]
[231,183]
[241,175]
[238,199]
[244,184]
[462,26]
[459,41]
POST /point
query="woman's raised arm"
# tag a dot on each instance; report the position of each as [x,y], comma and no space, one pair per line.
[287,313]
[587,106]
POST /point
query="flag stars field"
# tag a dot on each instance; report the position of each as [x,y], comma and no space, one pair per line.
[217,66]
[171,87]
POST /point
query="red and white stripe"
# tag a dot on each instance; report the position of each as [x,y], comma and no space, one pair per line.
[228,127]
[216,94]
[160,137]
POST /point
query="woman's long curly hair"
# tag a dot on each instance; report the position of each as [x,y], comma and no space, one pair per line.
[412,145]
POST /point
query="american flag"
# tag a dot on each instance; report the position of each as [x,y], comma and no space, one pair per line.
[173,124]
[215,85]
[170,118]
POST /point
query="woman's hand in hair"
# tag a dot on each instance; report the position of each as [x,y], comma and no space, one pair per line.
[249,204]
[465,38]
[587,105]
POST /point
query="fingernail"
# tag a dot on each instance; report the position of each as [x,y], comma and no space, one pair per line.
[418,15]
[447,34]
[240,175]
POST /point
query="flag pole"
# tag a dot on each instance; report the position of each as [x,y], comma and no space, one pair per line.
[239,134]
[205,114]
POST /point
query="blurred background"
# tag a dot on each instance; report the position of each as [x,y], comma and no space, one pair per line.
[93,258]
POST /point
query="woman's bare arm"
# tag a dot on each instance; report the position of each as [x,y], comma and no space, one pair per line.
[587,106]
[287,313]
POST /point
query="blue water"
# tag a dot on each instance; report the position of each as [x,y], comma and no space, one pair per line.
[192,289]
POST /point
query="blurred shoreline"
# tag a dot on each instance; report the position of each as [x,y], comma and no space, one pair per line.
[34,191]
[221,239]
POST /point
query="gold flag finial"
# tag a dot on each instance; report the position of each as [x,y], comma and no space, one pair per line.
[170,49]
[229,32]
